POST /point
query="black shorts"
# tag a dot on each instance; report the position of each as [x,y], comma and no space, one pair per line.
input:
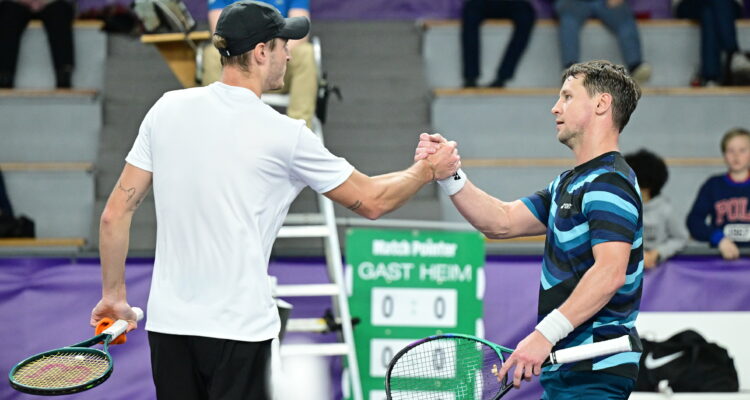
[201,368]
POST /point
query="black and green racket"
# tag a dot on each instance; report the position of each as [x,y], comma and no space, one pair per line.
[456,366]
[69,369]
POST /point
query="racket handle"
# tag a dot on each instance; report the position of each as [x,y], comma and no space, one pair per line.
[587,351]
[121,325]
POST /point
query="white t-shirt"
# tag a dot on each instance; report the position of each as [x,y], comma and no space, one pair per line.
[225,169]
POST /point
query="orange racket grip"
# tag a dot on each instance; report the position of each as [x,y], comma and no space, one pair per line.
[105,323]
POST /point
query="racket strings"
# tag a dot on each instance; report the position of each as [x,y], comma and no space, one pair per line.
[62,370]
[446,369]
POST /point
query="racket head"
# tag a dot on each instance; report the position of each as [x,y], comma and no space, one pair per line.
[449,366]
[61,371]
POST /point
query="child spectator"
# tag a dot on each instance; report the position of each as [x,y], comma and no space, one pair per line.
[724,200]
[664,234]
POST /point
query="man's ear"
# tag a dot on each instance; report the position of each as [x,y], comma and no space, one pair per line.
[603,103]
[260,52]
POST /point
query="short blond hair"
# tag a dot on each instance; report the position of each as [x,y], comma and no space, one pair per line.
[731,134]
[242,61]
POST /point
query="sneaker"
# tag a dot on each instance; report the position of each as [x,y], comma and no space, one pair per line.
[641,73]
[739,62]
[710,83]
[470,83]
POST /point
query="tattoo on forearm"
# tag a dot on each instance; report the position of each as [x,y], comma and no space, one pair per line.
[357,204]
[130,192]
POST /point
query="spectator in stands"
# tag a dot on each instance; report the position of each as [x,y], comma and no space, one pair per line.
[301,80]
[723,199]
[664,233]
[57,17]
[520,12]
[617,16]
[718,38]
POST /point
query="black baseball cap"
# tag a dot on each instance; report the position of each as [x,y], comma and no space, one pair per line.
[244,24]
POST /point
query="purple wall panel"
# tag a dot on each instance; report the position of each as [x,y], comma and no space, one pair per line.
[46,303]
[394,9]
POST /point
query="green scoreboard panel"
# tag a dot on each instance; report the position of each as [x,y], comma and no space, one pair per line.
[405,285]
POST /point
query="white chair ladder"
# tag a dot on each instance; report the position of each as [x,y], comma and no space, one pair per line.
[336,289]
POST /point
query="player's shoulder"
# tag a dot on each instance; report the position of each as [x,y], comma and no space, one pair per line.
[613,166]
[181,96]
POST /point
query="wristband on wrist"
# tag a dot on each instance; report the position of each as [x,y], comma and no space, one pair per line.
[453,184]
[554,326]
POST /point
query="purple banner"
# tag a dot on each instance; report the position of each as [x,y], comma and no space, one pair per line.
[394,9]
[46,304]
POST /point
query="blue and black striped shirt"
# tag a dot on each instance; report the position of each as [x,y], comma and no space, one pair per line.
[596,202]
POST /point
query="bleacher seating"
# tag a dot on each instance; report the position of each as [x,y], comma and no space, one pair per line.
[51,138]
[670,46]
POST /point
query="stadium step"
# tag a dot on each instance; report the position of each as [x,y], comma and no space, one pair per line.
[670,46]
[59,197]
[41,125]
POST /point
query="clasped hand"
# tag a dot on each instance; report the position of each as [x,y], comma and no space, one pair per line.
[441,154]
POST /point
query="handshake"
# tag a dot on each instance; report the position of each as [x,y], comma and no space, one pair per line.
[445,163]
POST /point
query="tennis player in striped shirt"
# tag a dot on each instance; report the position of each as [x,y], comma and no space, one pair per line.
[592,268]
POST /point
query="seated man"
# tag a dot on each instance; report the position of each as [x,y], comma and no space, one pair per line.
[718,39]
[520,12]
[57,17]
[301,79]
[617,16]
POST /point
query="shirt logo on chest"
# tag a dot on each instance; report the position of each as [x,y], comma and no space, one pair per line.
[566,206]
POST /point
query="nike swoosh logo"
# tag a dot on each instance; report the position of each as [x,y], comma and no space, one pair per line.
[654,363]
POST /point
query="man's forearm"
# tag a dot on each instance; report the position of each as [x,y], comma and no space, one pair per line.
[484,212]
[394,189]
[114,238]
[593,292]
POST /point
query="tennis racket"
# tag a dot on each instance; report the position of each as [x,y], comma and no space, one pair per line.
[458,367]
[69,369]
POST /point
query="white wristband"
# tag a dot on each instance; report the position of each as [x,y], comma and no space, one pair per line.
[554,326]
[453,184]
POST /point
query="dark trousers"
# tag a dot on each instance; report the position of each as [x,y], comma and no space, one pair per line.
[573,385]
[718,31]
[57,18]
[5,207]
[201,368]
[520,12]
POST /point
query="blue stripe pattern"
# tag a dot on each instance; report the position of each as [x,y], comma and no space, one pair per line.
[596,202]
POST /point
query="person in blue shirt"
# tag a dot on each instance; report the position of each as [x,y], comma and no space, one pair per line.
[301,80]
[723,200]
[592,269]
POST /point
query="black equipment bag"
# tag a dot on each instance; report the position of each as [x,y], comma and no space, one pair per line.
[688,363]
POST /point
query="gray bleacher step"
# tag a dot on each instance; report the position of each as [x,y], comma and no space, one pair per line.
[511,183]
[34,69]
[50,125]
[60,200]
[671,47]
[518,123]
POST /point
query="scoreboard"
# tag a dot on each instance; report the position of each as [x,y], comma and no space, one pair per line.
[405,285]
